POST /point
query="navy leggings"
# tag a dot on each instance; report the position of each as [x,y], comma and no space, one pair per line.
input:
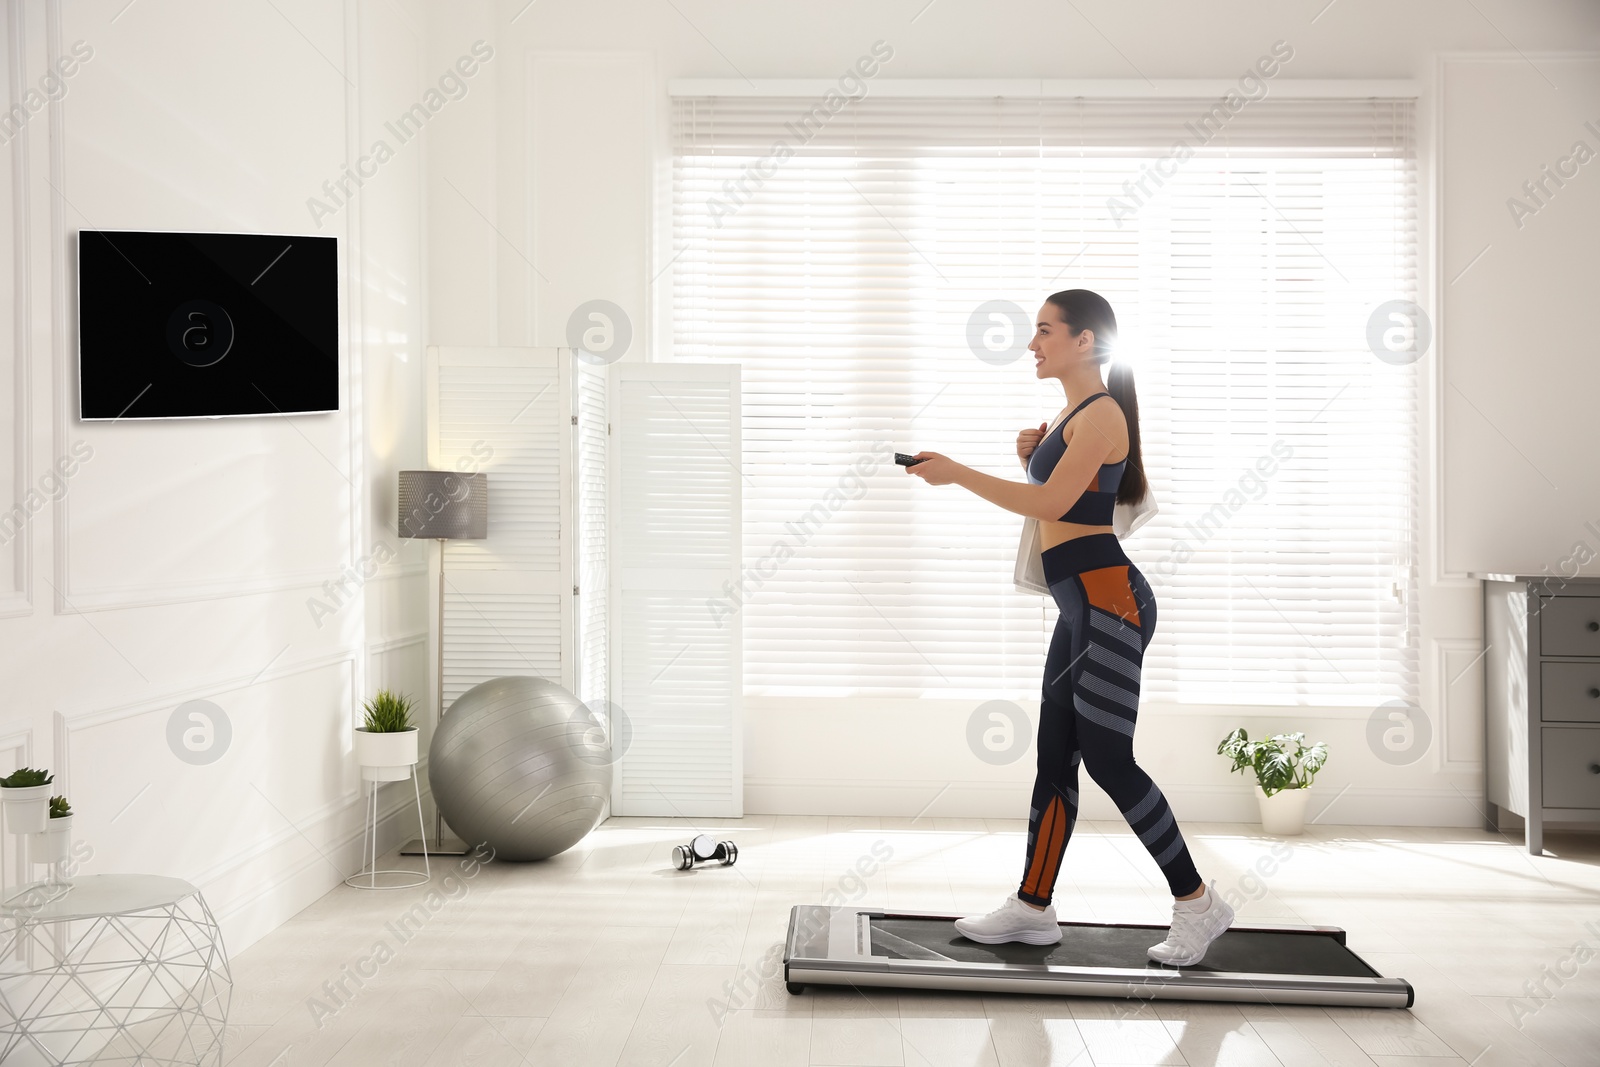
[1087,711]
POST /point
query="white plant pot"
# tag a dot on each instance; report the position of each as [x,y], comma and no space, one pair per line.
[1284,812]
[27,809]
[54,844]
[386,757]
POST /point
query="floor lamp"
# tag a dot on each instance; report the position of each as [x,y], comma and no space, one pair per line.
[446,506]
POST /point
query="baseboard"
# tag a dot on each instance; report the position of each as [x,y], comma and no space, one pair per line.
[1326,805]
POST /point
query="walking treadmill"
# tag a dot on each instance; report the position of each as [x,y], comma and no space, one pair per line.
[859,946]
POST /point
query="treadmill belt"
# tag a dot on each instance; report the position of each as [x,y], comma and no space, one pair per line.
[1093,945]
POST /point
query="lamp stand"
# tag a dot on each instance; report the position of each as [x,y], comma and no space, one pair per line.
[440,846]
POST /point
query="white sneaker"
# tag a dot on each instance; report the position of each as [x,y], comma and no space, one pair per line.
[1193,931]
[1012,921]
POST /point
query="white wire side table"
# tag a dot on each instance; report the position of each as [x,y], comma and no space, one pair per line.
[124,969]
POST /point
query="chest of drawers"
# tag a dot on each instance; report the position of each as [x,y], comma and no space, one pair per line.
[1541,702]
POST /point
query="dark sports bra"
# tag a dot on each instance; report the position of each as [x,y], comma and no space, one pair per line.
[1098,502]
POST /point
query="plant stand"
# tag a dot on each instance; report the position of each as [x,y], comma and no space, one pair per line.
[367,877]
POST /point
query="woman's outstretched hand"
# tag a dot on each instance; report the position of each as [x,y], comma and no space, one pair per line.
[935,469]
[1028,440]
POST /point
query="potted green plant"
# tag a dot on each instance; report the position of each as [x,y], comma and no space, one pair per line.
[55,843]
[386,742]
[1284,767]
[25,793]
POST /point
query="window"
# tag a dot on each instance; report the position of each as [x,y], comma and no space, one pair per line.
[849,263]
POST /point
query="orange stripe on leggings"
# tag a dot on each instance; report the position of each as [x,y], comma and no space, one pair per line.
[1058,845]
[1108,589]
[1047,843]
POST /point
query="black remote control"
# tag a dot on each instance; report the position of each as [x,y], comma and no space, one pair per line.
[907,461]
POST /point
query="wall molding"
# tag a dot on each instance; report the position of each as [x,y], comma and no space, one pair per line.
[355,310]
[1092,88]
[1456,658]
[334,807]
[378,649]
[1577,55]
[18,600]
[339,842]
[88,719]
[390,644]
[73,601]
[17,737]
[62,754]
[77,602]
[62,299]
[67,725]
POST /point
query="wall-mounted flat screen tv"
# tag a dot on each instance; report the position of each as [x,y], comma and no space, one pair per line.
[206,325]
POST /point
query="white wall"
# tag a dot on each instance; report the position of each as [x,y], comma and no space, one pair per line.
[579,87]
[179,562]
[1519,274]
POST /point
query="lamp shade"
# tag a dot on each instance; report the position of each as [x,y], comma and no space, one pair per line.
[446,504]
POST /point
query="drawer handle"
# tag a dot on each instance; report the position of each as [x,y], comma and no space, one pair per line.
[1593,692]
[1594,768]
[1593,626]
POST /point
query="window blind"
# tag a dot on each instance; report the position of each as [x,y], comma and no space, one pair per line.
[847,261]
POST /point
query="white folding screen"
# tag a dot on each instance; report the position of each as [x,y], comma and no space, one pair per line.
[591,416]
[508,599]
[675,554]
[614,535]
[847,262]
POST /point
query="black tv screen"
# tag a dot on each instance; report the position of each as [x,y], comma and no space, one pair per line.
[185,325]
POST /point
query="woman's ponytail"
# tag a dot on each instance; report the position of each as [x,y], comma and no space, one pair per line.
[1119,383]
[1084,309]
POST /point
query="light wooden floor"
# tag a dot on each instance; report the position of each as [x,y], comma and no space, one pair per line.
[606,955]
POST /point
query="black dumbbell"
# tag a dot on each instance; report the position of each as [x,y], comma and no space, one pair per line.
[703,849]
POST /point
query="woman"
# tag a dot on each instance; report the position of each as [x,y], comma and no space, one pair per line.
[1077,471]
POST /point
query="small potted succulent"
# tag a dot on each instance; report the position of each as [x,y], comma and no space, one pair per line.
[1284,767]
[55,843]
[26,796]
[386,742]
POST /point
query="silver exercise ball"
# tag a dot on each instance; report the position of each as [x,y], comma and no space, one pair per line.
[522,764]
